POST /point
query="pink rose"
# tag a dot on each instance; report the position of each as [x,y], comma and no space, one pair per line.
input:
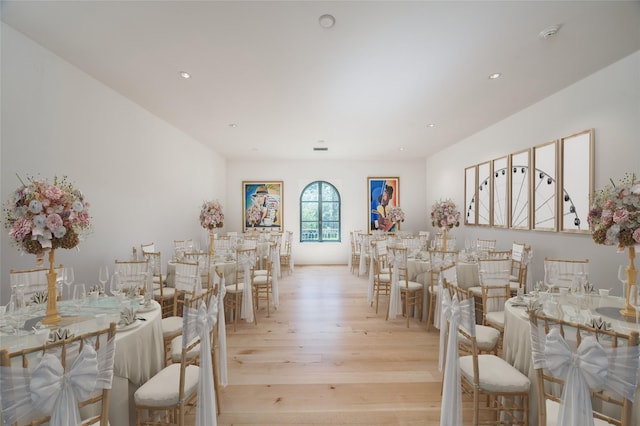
[636,236]
[20,229]
[53,221]
[53,192]
[620,216]
[83,217]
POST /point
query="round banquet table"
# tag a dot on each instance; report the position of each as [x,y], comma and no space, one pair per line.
[517,340]
[139,349]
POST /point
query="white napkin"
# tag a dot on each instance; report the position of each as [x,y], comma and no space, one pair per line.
[127,316]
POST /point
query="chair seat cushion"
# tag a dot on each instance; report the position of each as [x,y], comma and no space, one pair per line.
[496,318]
[171,326]
[410,285]
[476,291]
[231,288]
[162,390]
[261,280]
[496,374]
[384,277]
[260,272]
[167,293]
[486,338]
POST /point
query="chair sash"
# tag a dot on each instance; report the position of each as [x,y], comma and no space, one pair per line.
[199,323]
[274,255]
[246,260]
[590,367]
[49,390]
[456,314]
[396,259]
[222,330]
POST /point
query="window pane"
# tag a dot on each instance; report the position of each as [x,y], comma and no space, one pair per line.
[310,192]
[309,211]
[329,193]
[330,211]
[330,231]
[309,231]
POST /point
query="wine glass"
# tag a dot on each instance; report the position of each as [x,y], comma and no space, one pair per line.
[79,295]
[467,245]
[634,299]
[622,277]
[103,275]
[115,285]
[69,277]
[551,275]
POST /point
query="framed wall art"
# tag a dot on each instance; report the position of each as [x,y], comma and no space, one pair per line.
[382,193]
[545,187]
[576,181]
[470,195]
[520,190]
[262,205]
[484,205]
[500,176]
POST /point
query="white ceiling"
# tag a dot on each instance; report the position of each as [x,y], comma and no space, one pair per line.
[367,87]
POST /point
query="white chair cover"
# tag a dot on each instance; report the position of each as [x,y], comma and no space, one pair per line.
[49,390]
[396,259]
[456,314]
[274,255]
[590,366]
[199,323]
[247,260]
[365,251]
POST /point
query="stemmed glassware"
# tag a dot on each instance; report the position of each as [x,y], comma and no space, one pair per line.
[634,299]
[467,245]
[115,285]
[69,277]
[622,277]
[103,275]
[551,275]
[79,295]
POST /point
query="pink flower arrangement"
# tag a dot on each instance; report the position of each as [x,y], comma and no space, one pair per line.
[211,215]
[615,215]
[445,214]
[41,216]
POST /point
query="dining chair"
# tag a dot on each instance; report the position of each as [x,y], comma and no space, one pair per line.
[30,286]
[408,293]
[597,370]
[223,244]
[520,253]
[167,396]
[262,281]
[484,245]
[53,382]
[187,284]
[491,272]
[451,243]
[133,275]
[203,260]
[423,236]
[354,241]
[438,260]
[560,273]
[381,270]
[497,254]
[285,253]
[239,295]
[161,292]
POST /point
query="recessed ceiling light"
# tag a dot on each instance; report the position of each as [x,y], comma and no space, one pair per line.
[233,125]
[401,149]
[495,75]
[321,141]
[185,75]
[327,21]
[431,125]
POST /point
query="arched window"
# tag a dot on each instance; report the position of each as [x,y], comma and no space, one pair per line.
[320,213]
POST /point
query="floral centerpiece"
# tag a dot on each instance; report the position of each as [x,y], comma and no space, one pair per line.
[445,214]
[42,216]
[615,215]
[614,219]
[254,215]
[395,215]
[211,215]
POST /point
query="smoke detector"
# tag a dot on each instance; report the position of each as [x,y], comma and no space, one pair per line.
[549,31]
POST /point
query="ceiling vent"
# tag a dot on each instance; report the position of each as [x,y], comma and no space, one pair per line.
[320,148]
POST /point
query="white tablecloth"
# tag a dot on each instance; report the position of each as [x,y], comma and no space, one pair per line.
[517,340]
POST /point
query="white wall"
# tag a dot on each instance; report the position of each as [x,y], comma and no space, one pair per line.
[144,178]
[609,102]
[349,178]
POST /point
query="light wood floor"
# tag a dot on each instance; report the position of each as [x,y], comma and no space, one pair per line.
[326,357]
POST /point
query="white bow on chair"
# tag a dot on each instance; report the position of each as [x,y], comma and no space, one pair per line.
[200,323]
[247,260]
[395,301]
[48,389]
[455,313]
[587,369]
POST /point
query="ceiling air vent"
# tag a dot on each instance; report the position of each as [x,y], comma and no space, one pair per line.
[320,148]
